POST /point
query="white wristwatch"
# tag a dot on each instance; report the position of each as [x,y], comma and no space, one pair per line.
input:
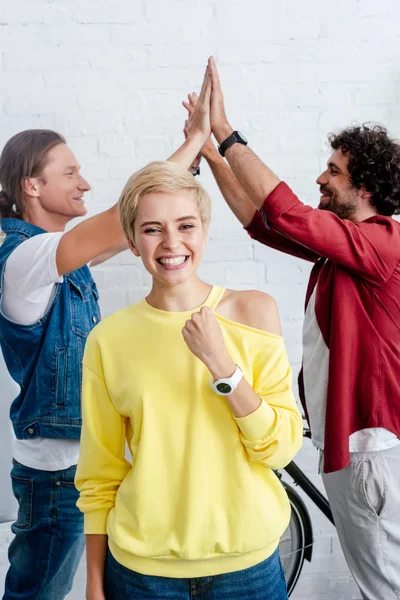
[224,387]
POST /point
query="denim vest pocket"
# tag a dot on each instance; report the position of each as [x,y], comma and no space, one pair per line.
[79,318]
[61,376]
[82,298]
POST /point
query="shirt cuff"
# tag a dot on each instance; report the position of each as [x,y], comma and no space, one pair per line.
[257,424]
[279,201]
[256,225]
[95,521]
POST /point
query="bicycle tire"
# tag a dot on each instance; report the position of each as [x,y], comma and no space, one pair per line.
[293,545]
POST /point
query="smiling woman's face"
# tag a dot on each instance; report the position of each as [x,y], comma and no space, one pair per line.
[169,236]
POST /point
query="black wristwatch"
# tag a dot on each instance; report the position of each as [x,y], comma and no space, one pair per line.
[235,138]
[195,170]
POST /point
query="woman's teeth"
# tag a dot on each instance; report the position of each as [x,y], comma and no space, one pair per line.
[171,262]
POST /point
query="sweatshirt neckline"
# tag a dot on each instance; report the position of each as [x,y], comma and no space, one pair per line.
[211,302]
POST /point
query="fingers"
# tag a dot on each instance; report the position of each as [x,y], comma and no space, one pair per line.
[212,70]
[207,92]
[188,330]
[188,107]
[194,319]
[197,322]
[206,86]
[204,100]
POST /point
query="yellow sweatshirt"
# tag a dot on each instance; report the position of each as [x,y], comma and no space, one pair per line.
[199,497]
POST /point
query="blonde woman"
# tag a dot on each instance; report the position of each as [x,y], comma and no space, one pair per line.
[196,380]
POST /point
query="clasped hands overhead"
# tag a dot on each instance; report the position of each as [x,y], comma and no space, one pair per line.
[207,111]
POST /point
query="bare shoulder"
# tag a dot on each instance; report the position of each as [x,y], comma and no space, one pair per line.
[252,308]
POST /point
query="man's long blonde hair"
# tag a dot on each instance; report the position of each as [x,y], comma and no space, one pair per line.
[162,177]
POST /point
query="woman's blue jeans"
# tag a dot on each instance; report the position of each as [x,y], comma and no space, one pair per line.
[265,581]
[48,544]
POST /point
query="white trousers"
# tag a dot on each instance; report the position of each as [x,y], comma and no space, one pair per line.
[365,502]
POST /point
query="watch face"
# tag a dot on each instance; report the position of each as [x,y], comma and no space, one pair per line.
[242,138]
[224,388]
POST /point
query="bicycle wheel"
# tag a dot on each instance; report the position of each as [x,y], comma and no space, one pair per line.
[295,541]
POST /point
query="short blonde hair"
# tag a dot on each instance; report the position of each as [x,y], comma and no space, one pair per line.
[160,176]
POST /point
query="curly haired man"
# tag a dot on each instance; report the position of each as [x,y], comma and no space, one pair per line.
[351,337]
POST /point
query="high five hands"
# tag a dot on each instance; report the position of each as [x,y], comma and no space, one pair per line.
[207,112]
[198,127]
[206,115]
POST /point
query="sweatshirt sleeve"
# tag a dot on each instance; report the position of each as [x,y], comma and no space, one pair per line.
[371,249]
[102,465]
[273,433]
[258,230]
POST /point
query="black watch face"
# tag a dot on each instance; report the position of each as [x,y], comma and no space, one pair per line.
[224,388]
[242,138]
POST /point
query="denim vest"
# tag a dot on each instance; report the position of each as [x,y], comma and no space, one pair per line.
[45,358]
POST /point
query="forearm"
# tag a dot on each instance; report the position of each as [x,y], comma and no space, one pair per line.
[256,179]
[244,400]
[232,191]
[271,434]
[96,550]
[119,247]
[188,151]
[89,239]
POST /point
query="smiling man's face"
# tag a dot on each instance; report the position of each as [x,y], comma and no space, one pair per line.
[61,185]
[338,195]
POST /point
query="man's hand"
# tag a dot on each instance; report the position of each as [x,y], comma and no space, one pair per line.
[219,122]
[200,118]
[200,128]
[186,131]
[203,336]
[208,148]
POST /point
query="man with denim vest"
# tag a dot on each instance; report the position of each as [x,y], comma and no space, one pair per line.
[49,304]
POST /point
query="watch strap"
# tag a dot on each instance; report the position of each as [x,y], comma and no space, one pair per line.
[195,170]
[234,138]
[230,383]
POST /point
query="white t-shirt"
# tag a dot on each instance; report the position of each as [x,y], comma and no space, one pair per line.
[315,375]
[29,285]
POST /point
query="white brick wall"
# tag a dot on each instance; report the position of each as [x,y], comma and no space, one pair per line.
[111,75]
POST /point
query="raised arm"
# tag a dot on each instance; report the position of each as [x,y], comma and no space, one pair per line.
[200,130]
[233,193]
[365,248]
[96,236]
[110,253]
[239,202]
[257,179]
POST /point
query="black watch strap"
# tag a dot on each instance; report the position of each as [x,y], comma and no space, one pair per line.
[235,138]
[195,170]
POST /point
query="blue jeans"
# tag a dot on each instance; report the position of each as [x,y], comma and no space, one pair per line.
[265,581]
[49,540]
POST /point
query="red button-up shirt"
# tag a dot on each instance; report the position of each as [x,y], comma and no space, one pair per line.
[357,267]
